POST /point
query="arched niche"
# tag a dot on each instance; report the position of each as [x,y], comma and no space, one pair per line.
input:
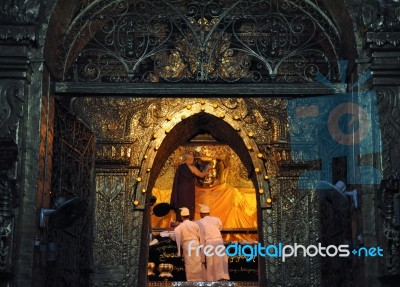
[184,125]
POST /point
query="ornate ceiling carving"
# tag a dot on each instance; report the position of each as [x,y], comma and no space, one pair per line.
[201,41]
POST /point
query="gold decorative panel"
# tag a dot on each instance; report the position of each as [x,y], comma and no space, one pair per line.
[135,119]
[111,197]
[117,238]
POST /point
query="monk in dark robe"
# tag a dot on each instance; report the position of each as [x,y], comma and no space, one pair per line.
[183,188]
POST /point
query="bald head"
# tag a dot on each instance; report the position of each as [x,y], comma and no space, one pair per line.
[189,158]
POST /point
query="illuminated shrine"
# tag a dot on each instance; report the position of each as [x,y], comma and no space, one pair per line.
[293,105]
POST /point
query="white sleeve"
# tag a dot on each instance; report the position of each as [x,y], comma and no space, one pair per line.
[202,240]
[219,224]
[201,232]
[178,237]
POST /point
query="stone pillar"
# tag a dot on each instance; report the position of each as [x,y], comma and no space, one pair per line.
[19,122]
[118,237]
[383,57]
[20,101]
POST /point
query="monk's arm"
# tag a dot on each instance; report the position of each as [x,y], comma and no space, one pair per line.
[197,172]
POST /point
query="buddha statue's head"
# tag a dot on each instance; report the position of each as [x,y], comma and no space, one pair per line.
[214,175]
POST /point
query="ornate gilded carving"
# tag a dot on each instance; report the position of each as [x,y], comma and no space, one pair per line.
[212,41]
[118,228]
[116,119]
[111,206]
[113,154]
[268,114]
[294,218]
[11,107]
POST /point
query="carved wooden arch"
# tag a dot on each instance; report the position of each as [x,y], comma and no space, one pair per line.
[207,41]
[184,126]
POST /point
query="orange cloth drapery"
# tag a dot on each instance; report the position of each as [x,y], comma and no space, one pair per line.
[236,207]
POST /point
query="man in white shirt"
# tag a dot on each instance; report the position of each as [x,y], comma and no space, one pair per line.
[188,232]
[210,227]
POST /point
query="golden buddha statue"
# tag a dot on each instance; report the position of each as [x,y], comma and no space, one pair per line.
[214,175]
